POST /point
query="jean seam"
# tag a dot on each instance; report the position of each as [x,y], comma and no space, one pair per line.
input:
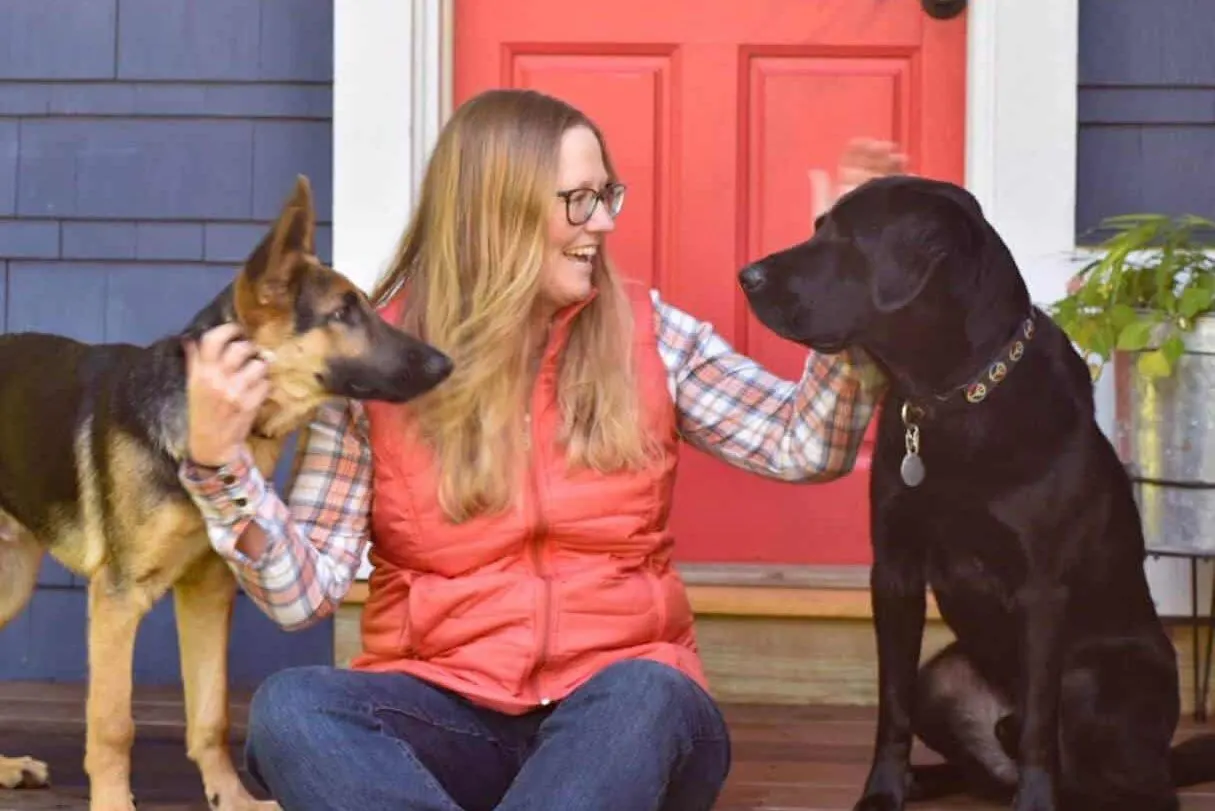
[432,782]
[376,709]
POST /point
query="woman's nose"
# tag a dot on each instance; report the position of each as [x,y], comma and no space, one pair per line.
[601,220]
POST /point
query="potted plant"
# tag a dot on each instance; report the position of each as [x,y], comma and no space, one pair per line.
[1146,302]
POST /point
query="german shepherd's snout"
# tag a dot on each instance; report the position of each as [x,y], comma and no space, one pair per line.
[88,471]
[396,369]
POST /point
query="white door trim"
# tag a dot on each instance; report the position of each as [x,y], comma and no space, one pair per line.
[391,92]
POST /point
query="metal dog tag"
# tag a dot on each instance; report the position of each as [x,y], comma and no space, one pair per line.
[912,470]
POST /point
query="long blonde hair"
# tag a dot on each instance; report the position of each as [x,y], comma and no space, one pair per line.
[469,267]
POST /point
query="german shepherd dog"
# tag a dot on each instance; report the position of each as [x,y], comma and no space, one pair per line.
[993,484]
[89,449]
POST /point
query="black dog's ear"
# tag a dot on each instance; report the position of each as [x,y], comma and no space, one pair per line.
[930,226]
[895,283]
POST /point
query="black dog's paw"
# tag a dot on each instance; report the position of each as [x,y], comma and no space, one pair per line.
[885,790]
[1035,792]
[879,802]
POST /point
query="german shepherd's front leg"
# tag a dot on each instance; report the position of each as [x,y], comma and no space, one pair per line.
[203,601]
[115,610]
[898,586]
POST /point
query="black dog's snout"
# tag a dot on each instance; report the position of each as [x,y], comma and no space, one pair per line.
[752,278]
[437,366]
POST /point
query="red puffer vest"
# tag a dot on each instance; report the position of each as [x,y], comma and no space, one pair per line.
[517,609]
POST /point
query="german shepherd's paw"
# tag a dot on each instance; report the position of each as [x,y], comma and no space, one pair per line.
[240,801]
[23,772]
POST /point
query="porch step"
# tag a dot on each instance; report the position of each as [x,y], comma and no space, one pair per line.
[789,636]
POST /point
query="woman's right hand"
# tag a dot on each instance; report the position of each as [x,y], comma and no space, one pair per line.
[226,384]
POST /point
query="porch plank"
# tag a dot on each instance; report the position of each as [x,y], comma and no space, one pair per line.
[802,757]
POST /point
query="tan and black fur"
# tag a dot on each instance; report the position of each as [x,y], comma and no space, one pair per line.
[90,444]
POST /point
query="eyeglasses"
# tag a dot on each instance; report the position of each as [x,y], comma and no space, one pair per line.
[580,204]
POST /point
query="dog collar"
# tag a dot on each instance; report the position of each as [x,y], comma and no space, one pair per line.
[973,392]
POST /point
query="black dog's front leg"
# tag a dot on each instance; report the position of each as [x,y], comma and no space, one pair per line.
[1043,611]
[898,587]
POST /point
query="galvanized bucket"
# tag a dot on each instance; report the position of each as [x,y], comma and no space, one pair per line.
[1164,431]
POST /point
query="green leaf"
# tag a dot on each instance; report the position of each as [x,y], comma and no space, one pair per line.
[1135,336]
[1173,348]
[1154,364]
[1120,315]
[1195,300]
[1103,339]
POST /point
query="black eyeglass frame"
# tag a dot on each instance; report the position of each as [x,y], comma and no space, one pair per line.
[617,190]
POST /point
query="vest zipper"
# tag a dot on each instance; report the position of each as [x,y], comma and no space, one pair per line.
[540,529]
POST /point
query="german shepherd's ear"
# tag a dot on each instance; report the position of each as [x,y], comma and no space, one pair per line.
[266,281]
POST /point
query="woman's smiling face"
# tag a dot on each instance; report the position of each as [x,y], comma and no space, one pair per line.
[573,246]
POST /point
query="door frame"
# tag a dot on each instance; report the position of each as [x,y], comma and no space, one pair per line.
[1021,122]
[389,103]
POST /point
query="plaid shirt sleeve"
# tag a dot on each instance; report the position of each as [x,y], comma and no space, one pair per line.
[730,407]
[315,541]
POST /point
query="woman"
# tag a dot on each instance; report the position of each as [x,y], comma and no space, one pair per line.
[527,642]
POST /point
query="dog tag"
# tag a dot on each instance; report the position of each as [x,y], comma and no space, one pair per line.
[912,470]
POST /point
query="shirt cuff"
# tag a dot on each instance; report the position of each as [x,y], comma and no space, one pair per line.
[872,379]
[228,495]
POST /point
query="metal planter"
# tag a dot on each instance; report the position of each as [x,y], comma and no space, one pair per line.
[1164,432]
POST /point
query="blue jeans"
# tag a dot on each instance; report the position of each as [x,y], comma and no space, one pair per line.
[639,735]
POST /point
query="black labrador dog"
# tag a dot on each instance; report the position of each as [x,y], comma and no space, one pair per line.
[993,484]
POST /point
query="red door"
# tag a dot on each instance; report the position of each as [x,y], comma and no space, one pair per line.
[716,112]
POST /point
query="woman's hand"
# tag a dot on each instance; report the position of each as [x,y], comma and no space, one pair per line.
[226,384]
[863,160]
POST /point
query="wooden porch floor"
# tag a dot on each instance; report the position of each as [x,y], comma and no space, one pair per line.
[786,758]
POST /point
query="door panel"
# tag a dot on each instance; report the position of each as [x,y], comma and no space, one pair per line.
[717,115]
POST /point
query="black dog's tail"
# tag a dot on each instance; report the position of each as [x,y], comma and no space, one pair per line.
[1193,761]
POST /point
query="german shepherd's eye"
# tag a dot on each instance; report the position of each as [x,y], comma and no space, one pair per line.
[346,314]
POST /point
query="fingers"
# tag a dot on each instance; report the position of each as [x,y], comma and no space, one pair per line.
[215,341]
[228,366]
[256,394]
[237,355]
[251,374]
[870,157]
[223,348]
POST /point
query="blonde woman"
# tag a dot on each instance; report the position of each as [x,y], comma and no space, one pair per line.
[527,642]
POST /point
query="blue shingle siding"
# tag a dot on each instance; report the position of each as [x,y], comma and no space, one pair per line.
[8,169]
[1146,138]
[58,39]
[226,40]
[33,239]
[144,147]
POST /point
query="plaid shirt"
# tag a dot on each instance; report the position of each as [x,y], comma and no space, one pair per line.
[727,405]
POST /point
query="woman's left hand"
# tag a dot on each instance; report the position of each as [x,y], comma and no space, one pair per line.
[863,160]
[866,158]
